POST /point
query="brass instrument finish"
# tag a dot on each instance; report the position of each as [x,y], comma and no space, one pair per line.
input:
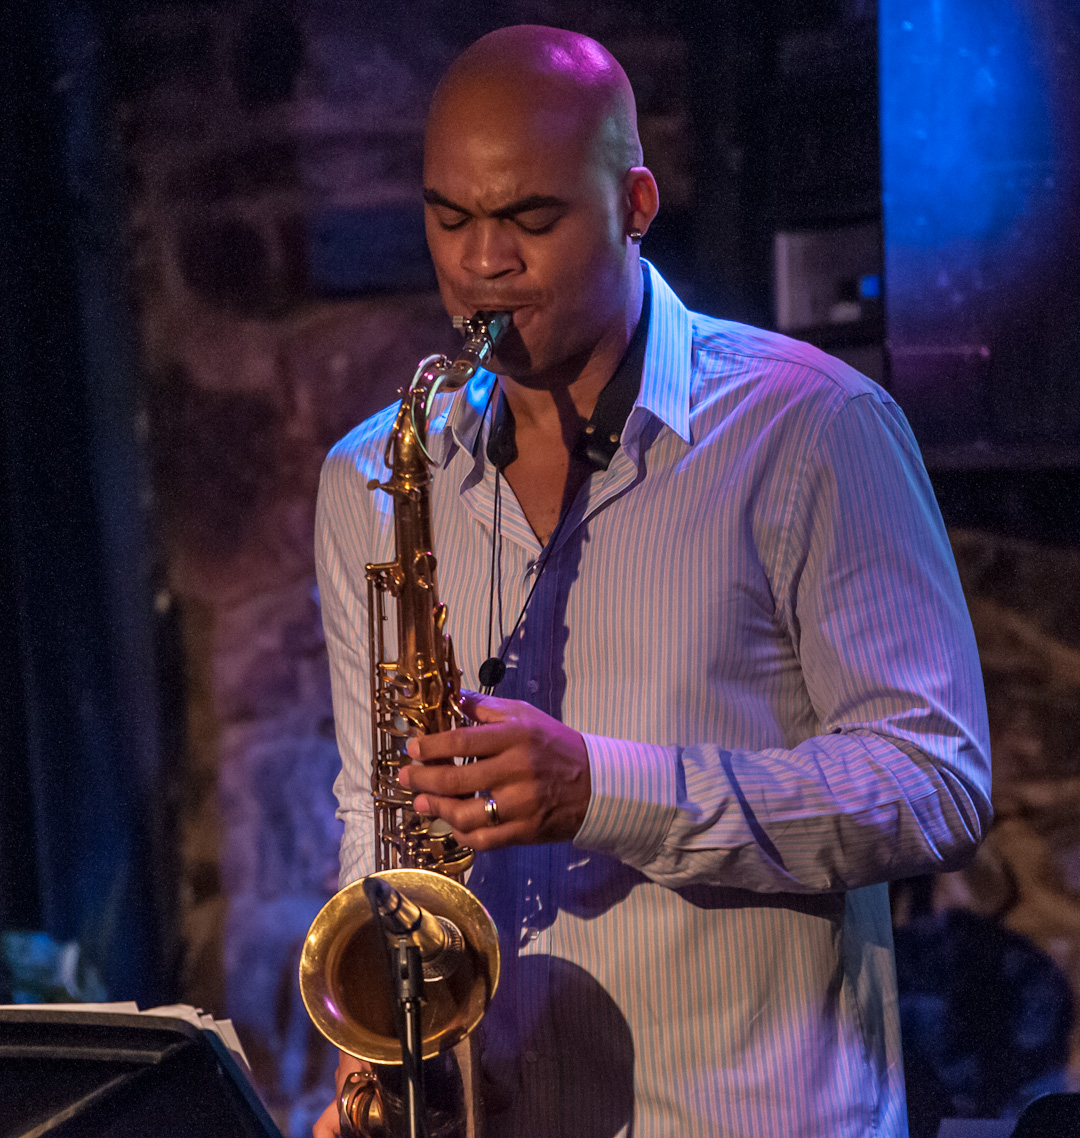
[345,974]
[344,968]
[418,693]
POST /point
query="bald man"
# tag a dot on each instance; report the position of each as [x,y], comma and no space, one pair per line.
[741,689]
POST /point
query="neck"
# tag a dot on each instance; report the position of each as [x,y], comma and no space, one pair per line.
[565,397]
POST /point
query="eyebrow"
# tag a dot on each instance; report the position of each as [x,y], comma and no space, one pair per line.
[522,205]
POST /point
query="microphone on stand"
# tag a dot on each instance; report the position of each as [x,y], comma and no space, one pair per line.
[439,940]
[423,947]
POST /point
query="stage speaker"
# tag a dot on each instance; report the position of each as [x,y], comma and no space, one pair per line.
[88,1074]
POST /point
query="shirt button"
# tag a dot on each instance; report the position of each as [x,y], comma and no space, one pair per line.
[533,686]
[531,1056]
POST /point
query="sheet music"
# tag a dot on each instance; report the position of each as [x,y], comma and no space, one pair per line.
[222,1028]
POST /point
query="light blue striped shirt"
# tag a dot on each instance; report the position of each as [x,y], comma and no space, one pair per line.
[754,616]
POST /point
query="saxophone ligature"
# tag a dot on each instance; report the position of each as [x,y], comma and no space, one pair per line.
[344,968]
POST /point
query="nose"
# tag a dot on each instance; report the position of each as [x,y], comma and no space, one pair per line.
[489,250]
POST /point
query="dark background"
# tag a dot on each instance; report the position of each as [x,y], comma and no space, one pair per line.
[212,265]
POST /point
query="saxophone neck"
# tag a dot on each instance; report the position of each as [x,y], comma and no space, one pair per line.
[406,448]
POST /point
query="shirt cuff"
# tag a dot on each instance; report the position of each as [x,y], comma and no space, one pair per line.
[633,799]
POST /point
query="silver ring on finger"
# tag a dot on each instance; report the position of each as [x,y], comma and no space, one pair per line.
[491,809]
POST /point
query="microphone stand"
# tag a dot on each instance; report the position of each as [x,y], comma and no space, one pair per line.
[407,972]
[408,992]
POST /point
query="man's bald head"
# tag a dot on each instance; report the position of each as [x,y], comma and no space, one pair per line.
[536,198]
[548,74]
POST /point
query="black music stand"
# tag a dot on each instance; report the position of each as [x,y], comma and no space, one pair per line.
[77,1074]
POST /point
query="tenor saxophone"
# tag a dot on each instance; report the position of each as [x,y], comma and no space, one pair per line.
[344,974]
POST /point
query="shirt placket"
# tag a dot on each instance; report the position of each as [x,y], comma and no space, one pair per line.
[520,559]
[532,658]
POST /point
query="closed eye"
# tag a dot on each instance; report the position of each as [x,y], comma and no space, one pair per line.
[537,229]
[449,218]
[540,220]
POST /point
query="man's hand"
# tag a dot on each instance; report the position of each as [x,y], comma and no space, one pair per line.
[327,1125]
[535,768]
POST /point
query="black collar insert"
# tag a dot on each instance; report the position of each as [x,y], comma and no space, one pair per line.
[599,438]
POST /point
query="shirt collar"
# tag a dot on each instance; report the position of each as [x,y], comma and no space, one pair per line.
[665,374]
[466,415]
[666,377]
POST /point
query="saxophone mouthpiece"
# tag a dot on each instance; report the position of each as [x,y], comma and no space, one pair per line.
[482,332]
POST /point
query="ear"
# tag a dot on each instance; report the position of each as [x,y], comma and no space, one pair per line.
[642,198]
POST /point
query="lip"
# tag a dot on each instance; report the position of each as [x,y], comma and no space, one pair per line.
[493,306]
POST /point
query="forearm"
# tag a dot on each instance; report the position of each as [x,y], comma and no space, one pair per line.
[838,811]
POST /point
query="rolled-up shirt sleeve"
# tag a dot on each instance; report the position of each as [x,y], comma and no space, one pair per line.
[897,780]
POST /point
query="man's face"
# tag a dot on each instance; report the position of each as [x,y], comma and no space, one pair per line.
[523,213]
